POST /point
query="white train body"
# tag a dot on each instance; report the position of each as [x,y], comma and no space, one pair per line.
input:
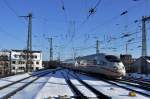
[108,65]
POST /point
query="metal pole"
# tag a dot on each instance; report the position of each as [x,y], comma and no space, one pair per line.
[144,45]
[144,67]
[97,46]
[10,62]
[51,49]
[126,48]
[29,44]
[30,41]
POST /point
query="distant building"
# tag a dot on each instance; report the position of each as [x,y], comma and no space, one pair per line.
[45,64]
[127,60]
[5,64]
[14,61]
[19,59]
[142,65]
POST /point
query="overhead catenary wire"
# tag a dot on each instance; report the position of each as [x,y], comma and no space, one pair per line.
[63,7]
[9,34]
[12,10]
[71,30]
[130,40]
[113,18]
[92,11]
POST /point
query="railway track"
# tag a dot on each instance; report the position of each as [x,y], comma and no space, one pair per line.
[98,93]
[82,87]
[20,85]
[135,83]
[78,94]
[135,87]
[7,85]
[127,86]
[139,81]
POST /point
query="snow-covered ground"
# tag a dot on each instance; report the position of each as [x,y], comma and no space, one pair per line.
[111,90]
[55,85]
[80,86]
[32,90]
[8,80]
[139,76]
[11,88]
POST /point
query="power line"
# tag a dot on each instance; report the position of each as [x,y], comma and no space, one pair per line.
[11,9]
[92,11]
[8,5]
[113,18]
[9,34]
[64,10]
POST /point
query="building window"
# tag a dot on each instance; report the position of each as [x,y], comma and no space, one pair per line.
[13,68]
[35,56]
[13,62]
[21,68]
[37,68]
[37,63]
[15,56]
[23,62]
[23,56]
[31,56]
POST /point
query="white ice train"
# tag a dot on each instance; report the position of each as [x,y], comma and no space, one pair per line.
[108,65]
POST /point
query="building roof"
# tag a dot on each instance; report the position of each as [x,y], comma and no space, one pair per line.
[26,51]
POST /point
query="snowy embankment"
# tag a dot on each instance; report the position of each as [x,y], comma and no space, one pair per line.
[139,76]
[11,79]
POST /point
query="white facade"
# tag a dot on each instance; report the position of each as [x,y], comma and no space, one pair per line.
[18,60]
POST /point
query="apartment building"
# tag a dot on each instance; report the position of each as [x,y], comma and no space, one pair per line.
[5,68]
[19,60]
[15,61]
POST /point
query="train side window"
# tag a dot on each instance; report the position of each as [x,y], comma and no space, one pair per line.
[102,63]
[95,62]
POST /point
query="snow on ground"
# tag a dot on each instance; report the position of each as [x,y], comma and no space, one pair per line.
[11,88]
[139,76]
[111,90]
[10,79]
[32,90]
[56,86]
[81,87]
[132,87]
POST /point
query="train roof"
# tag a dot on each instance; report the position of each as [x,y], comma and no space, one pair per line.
[92,56]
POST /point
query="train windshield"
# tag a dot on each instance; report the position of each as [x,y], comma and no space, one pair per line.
[147,57]
[112,58]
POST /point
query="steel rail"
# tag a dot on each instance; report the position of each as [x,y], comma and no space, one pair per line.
[99,94]
[114,83]
[5,86]
[22,87]
[78,94]
[133,83]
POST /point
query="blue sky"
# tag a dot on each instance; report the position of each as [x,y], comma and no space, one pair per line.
[68,28]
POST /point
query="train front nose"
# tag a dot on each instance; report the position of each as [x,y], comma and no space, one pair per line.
[120,69]
[122,72]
